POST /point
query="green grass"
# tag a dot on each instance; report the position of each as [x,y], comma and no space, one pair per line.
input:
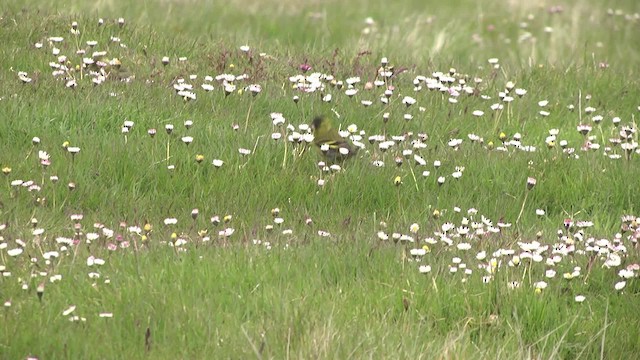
[322,284]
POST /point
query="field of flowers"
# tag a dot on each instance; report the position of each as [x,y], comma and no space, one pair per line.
[162,196]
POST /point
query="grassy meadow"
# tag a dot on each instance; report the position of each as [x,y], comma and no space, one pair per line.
[161,196]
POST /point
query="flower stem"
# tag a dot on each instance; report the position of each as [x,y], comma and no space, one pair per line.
[522,207]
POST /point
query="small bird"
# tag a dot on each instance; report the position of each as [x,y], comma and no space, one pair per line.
[328,140]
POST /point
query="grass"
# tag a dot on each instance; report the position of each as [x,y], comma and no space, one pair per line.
[272,265]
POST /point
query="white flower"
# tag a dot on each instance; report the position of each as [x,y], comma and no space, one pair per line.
[424,269]
[226,232]
[447,227]
[170,221]
[43,155]
[613,260]
[15,252]
[229,88]
[454,143]
[580,298]
[255,88]
[626,273]
[406,238]
[540,285]
[408,101]
[69,310]
[50,254]
[620,285]
[418,252]
[353,80]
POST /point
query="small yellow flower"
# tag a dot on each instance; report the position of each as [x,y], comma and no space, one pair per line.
[65,144]
[144,238]
[227,218]
[147,227]
[436,213]
[202,232]
[568,276]
[502,136]
[6,170]
[397,181]
[199,158]
[426,248]
[538,291]
[490,145]
[231,66]
[174,236]
[551,144]
[516,260]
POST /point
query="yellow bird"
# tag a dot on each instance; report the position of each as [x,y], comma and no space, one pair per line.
[333,146]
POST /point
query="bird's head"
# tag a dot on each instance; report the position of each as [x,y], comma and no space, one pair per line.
[317,121]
